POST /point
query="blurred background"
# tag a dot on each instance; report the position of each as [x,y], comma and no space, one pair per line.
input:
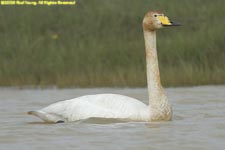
[99,43]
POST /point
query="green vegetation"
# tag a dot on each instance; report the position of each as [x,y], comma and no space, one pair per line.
[100,43]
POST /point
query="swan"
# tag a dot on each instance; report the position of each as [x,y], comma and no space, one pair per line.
[118,106]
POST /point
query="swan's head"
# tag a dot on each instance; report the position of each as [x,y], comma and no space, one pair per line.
[156,20]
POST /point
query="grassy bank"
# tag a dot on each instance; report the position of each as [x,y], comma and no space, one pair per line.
[100,43]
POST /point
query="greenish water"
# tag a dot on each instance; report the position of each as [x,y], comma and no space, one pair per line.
[100,43]
[198,122]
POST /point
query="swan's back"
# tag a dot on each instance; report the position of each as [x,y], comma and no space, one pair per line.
[95,106]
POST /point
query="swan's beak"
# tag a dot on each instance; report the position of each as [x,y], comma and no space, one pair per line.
[166,21]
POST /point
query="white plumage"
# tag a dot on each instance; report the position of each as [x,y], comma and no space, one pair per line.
[95,106]
[118,106]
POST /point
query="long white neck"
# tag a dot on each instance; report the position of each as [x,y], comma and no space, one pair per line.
[155,90]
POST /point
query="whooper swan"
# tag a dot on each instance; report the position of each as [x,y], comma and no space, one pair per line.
[119,106]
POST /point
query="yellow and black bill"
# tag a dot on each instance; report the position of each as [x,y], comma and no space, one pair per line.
[167,22]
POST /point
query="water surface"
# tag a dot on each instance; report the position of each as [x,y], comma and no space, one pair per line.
[198,123]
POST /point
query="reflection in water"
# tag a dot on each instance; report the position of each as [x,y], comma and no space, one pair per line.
[102,121]
[41,123]
[198,122]
[88,121]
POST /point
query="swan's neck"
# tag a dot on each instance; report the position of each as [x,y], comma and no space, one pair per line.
[155,90]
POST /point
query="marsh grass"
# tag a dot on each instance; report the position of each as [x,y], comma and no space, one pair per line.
[100,43]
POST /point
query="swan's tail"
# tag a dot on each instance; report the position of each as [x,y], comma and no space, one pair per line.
[46,116]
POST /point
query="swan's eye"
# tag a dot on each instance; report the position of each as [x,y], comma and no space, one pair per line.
[155,15]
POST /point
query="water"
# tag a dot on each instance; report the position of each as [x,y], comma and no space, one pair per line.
[198,124]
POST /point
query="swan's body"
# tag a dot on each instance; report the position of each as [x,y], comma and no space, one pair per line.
[118,106]
[100,106]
